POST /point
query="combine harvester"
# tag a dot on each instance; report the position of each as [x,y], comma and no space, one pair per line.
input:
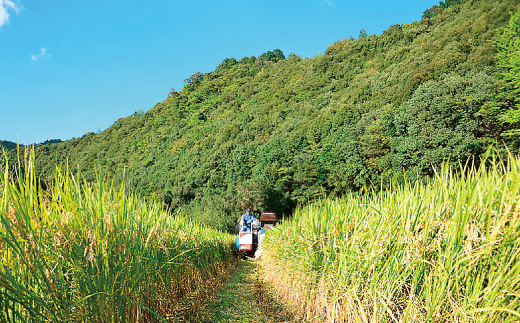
[250,242]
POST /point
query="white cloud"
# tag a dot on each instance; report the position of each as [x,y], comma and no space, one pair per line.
[5,7]
[43,53]
[329,3]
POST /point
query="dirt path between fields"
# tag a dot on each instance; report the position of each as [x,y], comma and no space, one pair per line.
[242,299]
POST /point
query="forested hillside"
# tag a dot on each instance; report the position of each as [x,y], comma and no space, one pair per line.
[9,145]
[276,130]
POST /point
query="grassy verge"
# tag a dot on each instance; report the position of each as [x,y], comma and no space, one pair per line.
[445,251]
[90,252]
[243,299]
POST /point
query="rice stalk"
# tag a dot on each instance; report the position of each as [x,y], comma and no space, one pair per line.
[443,251]
[92,252]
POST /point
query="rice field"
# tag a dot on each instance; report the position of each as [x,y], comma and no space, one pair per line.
[91,252]
[443,251]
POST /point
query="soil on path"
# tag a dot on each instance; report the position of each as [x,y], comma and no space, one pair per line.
[243,299]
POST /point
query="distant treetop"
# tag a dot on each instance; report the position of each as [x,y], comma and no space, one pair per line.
[274,56]
[430,13]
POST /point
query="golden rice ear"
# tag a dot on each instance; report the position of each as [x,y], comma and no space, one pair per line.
[85,251]
[426,252]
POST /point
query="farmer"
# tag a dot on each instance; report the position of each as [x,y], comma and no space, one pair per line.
[246,220]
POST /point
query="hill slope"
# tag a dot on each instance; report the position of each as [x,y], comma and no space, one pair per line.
[271,132]
[9,145]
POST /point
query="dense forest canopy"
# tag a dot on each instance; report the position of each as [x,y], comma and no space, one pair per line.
[273,131]
[9,145]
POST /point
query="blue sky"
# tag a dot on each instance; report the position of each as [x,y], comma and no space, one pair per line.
[68,67]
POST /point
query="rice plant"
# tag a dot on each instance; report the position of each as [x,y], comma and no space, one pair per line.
[443,251]
[91,252]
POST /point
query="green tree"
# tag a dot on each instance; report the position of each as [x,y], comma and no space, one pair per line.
[508,58]
[194,80]
[227,63]
[274,56]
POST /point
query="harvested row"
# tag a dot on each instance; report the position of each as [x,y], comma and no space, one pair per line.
[444,251]
[83,252]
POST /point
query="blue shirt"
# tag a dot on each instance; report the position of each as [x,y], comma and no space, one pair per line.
[248,219]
